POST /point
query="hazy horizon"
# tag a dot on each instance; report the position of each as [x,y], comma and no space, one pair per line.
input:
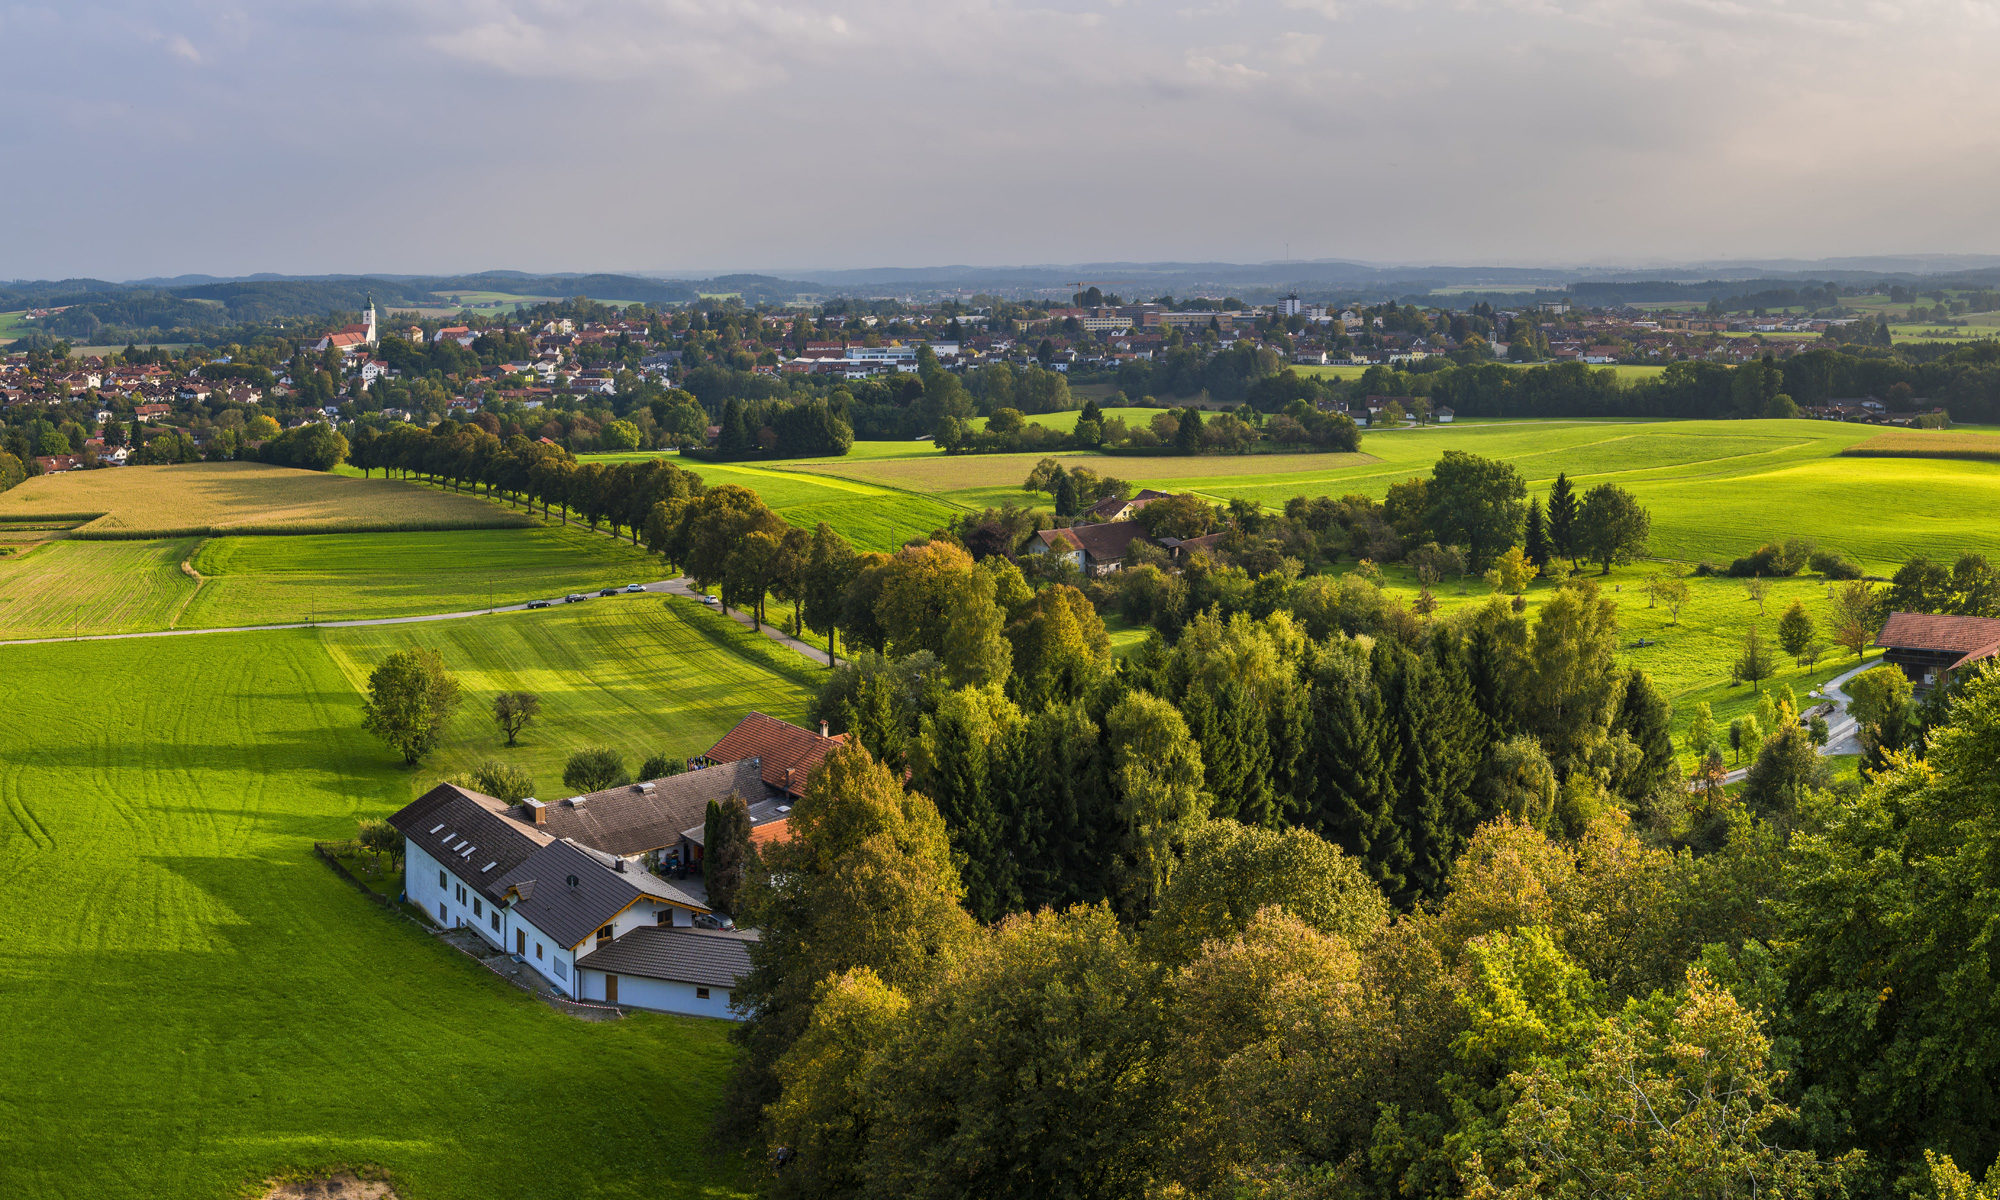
[690,136]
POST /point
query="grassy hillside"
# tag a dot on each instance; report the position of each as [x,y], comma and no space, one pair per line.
[198,498]
[194,1002]
[641,674]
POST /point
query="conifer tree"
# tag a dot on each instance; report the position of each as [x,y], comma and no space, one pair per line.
[1562,519]
[1536,543]
[1355,758]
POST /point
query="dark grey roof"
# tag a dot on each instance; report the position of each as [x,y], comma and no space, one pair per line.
[632,820]
[710,957]
[569,914]
[469,834]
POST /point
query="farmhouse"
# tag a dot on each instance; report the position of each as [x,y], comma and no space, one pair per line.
[1111,508]
[1928,646]
[783,752]
[1093,549]
[559,885]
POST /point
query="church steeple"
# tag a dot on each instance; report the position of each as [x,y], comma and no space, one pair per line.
[371,321]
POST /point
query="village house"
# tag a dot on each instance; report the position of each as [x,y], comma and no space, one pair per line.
[1113,508]
[1930,646]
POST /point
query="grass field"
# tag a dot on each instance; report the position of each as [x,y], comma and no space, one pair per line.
[193,1002]
[12,325]
[1717,489]
[75,587]
[214,498]
[872,516]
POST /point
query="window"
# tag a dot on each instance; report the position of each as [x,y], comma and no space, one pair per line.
[701,993]
[441,883]
[538,949]
[440,910]
[477,907]
[496,920]
[604,934]
[562,969]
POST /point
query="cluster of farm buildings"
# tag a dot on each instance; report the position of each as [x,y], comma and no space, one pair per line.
[600,894]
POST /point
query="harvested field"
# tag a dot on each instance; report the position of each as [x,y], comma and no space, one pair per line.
[199,499]
[1928,443]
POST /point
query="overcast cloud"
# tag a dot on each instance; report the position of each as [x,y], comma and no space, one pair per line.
[699,135]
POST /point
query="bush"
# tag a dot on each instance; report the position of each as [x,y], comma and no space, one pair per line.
[1775,559]
[502,781]
[595,769]
[1831,565]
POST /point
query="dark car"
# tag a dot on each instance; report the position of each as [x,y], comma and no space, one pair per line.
[573,597]
[538,604]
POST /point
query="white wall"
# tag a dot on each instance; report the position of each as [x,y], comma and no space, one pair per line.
[660,995]
[555,964]
[420,884]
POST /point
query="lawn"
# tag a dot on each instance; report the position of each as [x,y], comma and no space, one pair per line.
[194,1002]
[213,498]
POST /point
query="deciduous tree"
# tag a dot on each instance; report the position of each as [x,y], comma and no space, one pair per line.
[410,701]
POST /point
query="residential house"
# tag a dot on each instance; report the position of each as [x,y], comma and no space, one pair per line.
[1113,508]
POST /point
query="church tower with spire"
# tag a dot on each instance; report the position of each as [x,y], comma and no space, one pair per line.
[371,322]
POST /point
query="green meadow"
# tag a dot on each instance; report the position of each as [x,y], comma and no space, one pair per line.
[195,1003]
[1717,489]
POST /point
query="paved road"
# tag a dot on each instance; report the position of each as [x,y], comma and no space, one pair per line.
[1842,730]
[683,587]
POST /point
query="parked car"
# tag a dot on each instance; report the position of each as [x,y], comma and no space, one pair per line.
[710,600]
[607,591]
[635,587]
[538,604]
[573,597]
[713,921]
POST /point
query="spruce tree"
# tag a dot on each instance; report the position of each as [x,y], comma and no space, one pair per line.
[1562,519]
[953,765]
[1354,761]
[1536,544]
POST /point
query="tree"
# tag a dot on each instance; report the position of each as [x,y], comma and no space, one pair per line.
[1512,572]
[502,781]
[1922,586]
[1156,773]
[726,850]
[1879,702]
[661,766]
[594,769]
[1754,665]
[411,698]
[1060,646]
[1757,588]
[1887,954]
[1476,502]
[935,598]
[1187,434]
[380,839]
[1701,731]
[1796,631]
[1854,616]
[1536,541]
[1675,1097]
[1234,871]
[1562,518]
[829,569]
[1612,526]
[1672,593]
[514,711]
[1183,515]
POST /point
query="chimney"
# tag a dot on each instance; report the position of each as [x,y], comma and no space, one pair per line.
[536,810]
[822,729]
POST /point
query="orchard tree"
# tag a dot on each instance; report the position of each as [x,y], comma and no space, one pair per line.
[1796,630]
[515,711]
[1612,526]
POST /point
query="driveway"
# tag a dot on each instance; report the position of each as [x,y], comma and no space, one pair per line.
[1842,730]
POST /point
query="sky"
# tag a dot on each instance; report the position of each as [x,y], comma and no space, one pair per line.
[699,136]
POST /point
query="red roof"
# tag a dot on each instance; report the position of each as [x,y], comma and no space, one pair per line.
[1973,638]
[786,753]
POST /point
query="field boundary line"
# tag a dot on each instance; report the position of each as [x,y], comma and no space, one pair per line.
[200,581]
